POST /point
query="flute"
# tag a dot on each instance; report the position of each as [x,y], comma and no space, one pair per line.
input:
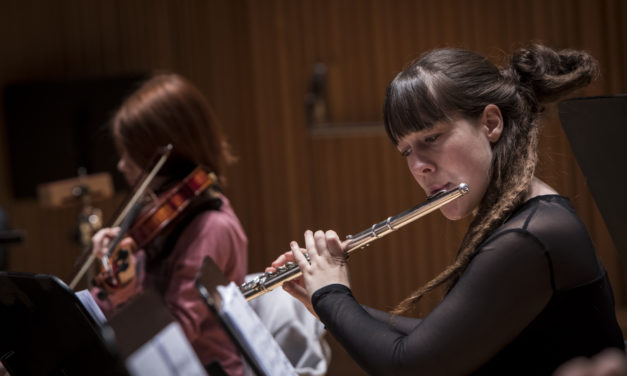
[269,281]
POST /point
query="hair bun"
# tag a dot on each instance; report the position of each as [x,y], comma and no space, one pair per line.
[550,74]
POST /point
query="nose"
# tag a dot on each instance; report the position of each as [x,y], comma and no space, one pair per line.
[121,165]
[420,165]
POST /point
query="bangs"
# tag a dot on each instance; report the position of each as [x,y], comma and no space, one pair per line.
[410,106]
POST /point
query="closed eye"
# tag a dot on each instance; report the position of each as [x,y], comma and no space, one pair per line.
[432,139]
[405,152]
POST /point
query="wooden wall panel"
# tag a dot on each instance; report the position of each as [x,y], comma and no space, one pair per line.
[254,59]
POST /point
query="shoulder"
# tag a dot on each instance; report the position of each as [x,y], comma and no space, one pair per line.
[212,231]
[543,218]
[219,235]
[547,228]
[216,221]
[537,229]
[517,253]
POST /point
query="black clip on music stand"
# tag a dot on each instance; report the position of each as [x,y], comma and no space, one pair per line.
[262,353]
[47,331]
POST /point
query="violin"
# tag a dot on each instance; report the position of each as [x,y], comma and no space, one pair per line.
[118,268]
[170,204]
[123,219]
[140,222]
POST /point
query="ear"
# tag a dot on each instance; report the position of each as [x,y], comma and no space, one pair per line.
[492,121]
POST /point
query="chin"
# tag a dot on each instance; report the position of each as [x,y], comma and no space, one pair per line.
[454,212]
[451,216]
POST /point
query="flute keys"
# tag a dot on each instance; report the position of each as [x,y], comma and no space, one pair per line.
[284,268]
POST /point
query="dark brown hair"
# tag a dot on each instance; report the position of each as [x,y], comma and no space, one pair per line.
[168,109]
[450,83]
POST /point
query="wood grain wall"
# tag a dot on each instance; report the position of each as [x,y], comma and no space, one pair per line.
[254,60]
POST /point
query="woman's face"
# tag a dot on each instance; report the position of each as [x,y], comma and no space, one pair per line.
[126,165]
[449,153]
[131,171]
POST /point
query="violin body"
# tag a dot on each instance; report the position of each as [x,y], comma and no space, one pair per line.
[118,267]
[170,205]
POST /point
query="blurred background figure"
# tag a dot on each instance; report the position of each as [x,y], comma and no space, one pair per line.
[194,219]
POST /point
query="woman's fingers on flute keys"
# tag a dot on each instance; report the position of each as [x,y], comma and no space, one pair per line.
[335,246]
[301,256]
[281,260]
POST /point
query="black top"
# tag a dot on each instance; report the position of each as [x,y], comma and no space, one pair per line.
[534,296]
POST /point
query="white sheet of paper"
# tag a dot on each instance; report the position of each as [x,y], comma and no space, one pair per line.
[91,306]
[166,354]
[258,339]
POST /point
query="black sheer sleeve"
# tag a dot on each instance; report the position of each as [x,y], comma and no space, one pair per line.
[401,323]
[499,294]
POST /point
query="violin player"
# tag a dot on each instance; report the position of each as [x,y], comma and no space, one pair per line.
[168,110]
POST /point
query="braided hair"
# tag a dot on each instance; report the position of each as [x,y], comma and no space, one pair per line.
[451,83]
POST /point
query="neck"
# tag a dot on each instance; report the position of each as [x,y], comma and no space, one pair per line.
[539,188]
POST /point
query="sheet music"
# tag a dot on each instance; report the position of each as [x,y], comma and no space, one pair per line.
[167,354]
[91,306]
[241,317]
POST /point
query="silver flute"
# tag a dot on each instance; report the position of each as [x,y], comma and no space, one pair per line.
[269,281]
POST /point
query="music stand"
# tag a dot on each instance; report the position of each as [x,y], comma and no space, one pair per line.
[151,341]
[596,128]
[243,326]
[47,331]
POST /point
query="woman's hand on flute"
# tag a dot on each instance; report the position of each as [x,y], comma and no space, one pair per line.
[322,262]
[295,287]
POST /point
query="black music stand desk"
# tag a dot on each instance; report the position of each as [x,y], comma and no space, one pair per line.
[45,330]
